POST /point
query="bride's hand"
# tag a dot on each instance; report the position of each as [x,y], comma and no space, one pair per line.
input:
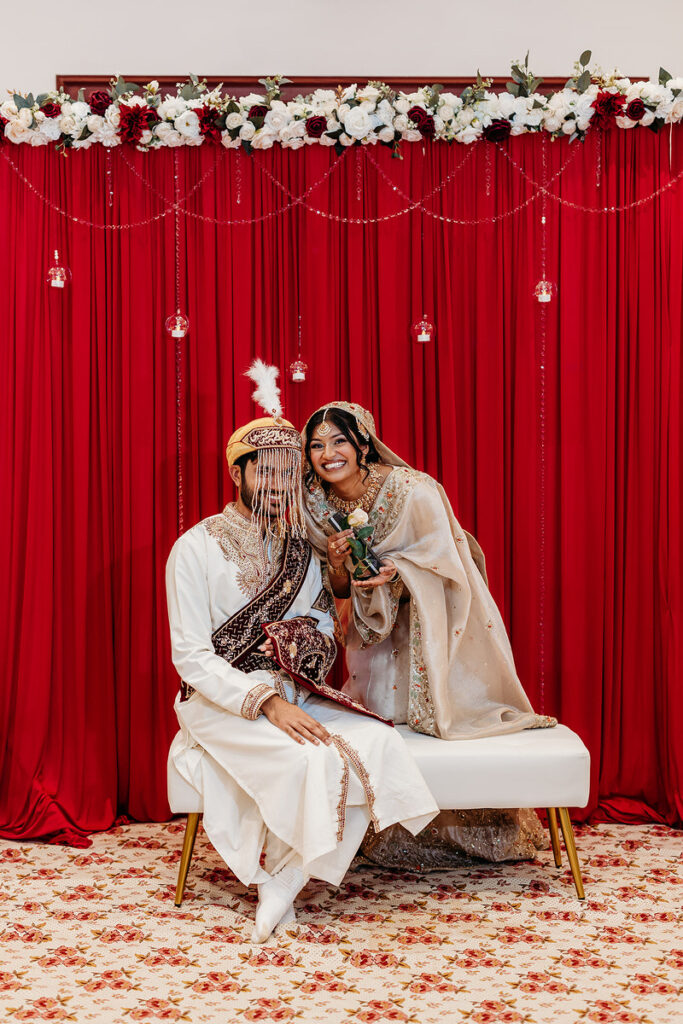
[387,574]
[338,548]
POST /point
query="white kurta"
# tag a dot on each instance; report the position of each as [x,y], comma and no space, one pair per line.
[258,784]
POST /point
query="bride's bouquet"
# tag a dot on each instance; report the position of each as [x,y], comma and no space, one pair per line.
[365,561]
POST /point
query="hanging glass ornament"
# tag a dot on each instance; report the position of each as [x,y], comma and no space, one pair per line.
[422,330]
[177,325]
[58,275]
[544,291]
[297,370]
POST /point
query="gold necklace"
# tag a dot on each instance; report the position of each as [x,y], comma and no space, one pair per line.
[366,501]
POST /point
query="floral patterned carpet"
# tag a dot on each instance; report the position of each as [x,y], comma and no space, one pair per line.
[93,936]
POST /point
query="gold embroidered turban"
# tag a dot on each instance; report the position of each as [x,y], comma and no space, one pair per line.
[263,433]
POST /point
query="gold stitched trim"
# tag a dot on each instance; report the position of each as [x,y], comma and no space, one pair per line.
[350,755]
[256,697]
[272,437]
[343,796]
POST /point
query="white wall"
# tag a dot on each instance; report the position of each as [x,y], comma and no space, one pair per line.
[364,38]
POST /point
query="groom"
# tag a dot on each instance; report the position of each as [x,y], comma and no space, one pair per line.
[284,763]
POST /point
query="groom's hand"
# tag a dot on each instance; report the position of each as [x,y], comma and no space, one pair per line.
[294,721]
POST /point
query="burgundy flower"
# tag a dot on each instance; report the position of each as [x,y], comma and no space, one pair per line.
[134,121]
[51,109]
[3,122]
[207,124]
[99,101]
[607,106]
[418,115]
[316,125]
[498,130]
[427,127]
[635,110]
[257,110]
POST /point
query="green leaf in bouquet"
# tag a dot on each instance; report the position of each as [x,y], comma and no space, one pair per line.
[357,547]
[664,76]
[364,532]
[584,58]
[583,81]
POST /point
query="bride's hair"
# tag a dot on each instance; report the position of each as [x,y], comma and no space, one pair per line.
[348,426]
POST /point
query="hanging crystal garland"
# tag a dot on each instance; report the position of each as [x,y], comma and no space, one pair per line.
[58,275]
[298,369]
[422,330]
[177,325]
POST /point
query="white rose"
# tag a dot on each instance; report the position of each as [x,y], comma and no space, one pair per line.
[247,131]
[343,110]
[569,127]
[112,116]
[107,136]
[233,121]
[94,123]
[401,105]
[50,129]
[67,123]
[264,139]
[229,142]
[276,119]
[16,133]
[385,112]
[350,92]
[357,123]
[402,123]
[386,134]
[674,115]
[82,143]
[345,139]
[25,118]
[648,117]
[187,124]
[368,92]
[357,518]
[446,112]
[38,139]
[80,110]
[8,109]
[412,135]
[326,140]
[171,107]
[332,124]
[468,135]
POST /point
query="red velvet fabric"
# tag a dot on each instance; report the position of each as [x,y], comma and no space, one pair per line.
[578,510]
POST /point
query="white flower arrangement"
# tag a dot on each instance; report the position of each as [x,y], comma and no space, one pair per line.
[367,115]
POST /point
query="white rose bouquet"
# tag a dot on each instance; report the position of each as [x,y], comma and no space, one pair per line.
[366,562]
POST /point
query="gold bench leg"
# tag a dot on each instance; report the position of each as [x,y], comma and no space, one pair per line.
[570,847]
[186,856]
[554,836]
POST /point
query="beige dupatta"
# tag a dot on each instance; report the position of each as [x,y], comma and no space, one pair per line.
[437,656]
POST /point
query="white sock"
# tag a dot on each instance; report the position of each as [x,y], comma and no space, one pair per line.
[275,905]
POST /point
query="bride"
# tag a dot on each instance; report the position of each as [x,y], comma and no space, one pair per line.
[425,642]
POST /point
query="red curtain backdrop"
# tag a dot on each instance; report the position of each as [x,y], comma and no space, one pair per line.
[555,428]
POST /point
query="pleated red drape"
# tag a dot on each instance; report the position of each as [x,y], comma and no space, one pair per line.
[556,429]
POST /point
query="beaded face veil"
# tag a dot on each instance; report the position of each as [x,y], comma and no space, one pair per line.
[277,502]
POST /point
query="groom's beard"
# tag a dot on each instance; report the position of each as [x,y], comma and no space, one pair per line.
[255,502]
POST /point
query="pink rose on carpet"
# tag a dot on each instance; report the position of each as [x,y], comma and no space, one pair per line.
[607,106]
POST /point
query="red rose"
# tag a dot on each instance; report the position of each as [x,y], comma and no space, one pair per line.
[207,124]
[607,106]
[134,121]
[3,122]
[51,109]
[315,126]
[257,111]
[498,130]
[635,110]
[418,115]
[99,101]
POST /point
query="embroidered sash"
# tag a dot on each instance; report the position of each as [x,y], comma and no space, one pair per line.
[237,639]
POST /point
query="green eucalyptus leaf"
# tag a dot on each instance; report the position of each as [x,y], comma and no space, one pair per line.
[583,81]
[664,76]
[40,99]
[584,58]
[187,92]
[535,84]
[513,88]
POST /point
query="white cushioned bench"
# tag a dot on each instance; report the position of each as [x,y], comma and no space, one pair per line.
[547,768]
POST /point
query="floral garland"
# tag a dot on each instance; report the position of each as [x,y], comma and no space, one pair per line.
[369,114]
